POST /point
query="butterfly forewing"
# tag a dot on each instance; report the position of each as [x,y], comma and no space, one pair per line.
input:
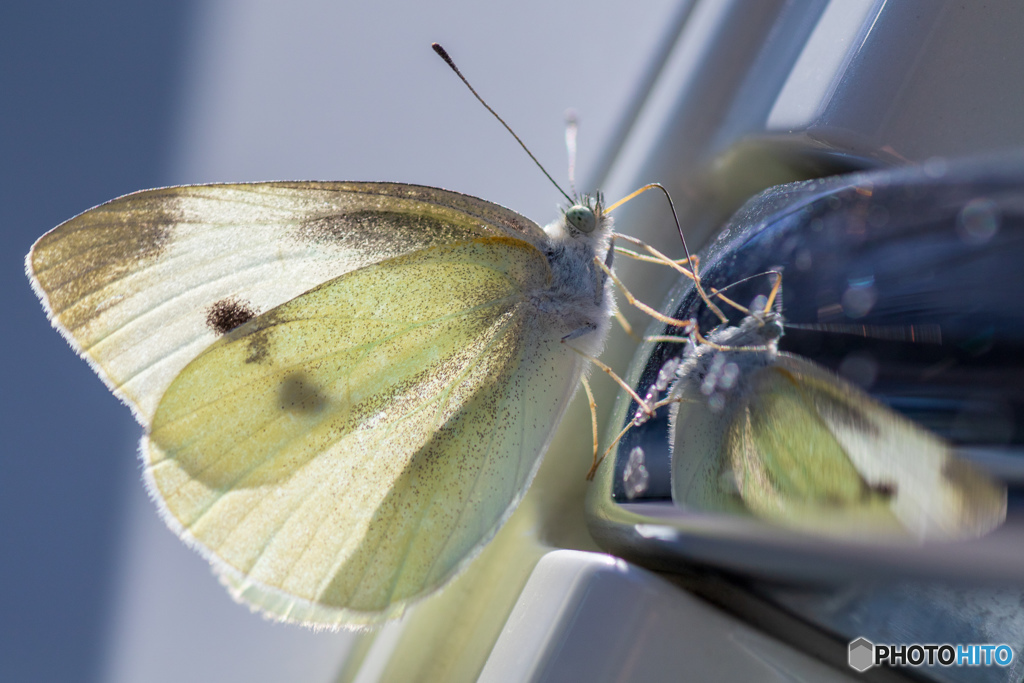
[142,284]
[800,446]
[790,468]
[931,491]
[355,446]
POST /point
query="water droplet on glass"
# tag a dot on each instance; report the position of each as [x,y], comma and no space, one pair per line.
[860,369]
[635,476]
[804,260]
[978,221]
[936,167]
[858,300]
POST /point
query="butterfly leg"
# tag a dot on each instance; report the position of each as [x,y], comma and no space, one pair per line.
[611,373]
[593,424]
[633,301]
[580,331]
[626,327]
[670,338]
[629,425]
[665,260]
[775,292]
[658,257]
[693,261]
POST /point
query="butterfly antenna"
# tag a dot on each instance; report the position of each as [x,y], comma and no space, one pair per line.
[682,238]
[571,127]
[774,298]
[448,60]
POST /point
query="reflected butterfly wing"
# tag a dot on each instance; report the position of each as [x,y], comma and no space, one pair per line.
[800,446]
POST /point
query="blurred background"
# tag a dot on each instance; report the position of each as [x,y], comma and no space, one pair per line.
[103,98]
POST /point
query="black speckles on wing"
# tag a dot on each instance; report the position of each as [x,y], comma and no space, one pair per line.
[86,254]
[394,421]
[139,285]
[300,394]
[361,229]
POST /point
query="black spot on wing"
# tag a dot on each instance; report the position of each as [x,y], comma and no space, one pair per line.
[299,394]
[886,489]
[227,314]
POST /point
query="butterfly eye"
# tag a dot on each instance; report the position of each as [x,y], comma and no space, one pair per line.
[581,217]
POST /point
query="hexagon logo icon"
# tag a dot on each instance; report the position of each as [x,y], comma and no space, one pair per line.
[862,654]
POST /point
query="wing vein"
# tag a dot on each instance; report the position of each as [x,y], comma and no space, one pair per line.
[476,479]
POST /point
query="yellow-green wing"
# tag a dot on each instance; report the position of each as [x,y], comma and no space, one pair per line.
[350,450]
[932,493]
[142,284]
[801,447]
[787,465]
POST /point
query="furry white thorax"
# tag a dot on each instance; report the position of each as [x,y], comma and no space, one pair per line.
[761,330]
[717,373]
[579,297]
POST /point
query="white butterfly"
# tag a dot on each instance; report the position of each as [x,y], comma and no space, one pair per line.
[346,387]
[755,429]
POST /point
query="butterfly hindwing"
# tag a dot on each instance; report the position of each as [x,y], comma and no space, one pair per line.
[355,446]
[697,438]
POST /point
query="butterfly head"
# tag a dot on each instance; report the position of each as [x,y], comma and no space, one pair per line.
[770,323]
[585,216]
[585,224]
[581,218]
